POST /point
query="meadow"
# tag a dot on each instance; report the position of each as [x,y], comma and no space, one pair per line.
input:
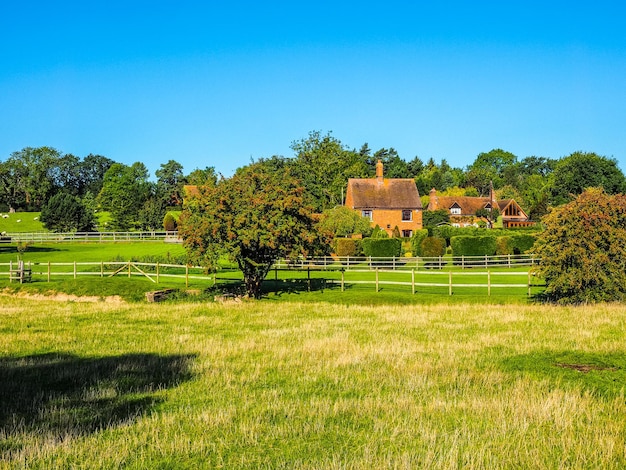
[310,385]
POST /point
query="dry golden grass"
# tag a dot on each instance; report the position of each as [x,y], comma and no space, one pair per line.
[297,385]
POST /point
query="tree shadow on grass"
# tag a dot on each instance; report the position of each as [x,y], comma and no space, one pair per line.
[272,286]
[603,374]
[62,394]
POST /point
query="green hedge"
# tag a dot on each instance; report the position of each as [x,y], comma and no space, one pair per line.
[514,244]
[382,247]
[432,247]
[473,246]
[416,241]
[347,247]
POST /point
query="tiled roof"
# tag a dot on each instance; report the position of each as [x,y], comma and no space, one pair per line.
[468,204]
[392,193]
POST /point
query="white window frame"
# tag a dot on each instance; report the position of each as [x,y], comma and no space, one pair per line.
[410,212]
[455,211]
[368,213]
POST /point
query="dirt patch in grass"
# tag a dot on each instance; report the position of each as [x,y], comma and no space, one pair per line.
[63,297]
[586,367]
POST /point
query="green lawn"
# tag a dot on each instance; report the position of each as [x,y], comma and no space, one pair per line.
[21,222]
[310,385]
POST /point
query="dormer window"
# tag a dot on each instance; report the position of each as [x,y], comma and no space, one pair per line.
[455,209]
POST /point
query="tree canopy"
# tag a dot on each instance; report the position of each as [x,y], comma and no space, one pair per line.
[255,217]
[583,249]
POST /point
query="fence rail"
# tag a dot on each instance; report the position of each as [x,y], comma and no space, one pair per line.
[96,237]
[403,263]
[446,281]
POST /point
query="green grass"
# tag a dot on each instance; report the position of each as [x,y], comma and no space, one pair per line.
[310,385]
[28,222]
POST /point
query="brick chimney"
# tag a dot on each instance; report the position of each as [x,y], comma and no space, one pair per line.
[433,200]
[379,171]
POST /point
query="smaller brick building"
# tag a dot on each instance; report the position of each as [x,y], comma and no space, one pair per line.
[388,202]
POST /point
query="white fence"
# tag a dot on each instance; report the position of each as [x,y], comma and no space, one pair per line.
[402,263]
[96,237]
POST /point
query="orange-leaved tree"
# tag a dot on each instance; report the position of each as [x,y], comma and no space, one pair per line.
[583,249]
[255,217]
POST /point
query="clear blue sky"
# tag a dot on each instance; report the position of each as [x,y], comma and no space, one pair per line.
[221,83]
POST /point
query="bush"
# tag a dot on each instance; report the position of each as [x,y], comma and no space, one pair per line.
[432,247]
[504,246]
[382,247]
[473,246]
[416,241]
[347,247]
[523,242]
[169,222]
[583,249]
[379,233]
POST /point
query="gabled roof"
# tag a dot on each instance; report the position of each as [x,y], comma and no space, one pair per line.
[393,193]
[468,204]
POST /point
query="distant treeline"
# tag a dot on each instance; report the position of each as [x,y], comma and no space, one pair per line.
[31,177]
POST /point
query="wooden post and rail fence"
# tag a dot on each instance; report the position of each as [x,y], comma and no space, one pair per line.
[447,275]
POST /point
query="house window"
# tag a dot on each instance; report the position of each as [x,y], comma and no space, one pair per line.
[407,215]
[455,210]
[407,233]
[367,213]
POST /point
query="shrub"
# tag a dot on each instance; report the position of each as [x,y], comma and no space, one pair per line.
[416,241]
[382,247]
[473,246]
[432,247]
[169,222]
[523,242]
[379,233]
[504,246]
[347,246]
[583,249]
[396,232]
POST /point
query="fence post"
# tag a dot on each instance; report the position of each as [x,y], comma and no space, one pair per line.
[462,261]
[48,271]
[394,263]
[528,283]
[186,276]
[509,260]
[450,283]
[489,283]
[128,269]
[10,271]
[342,279]
[486,262]
[412,281]
[101,268]
[74,269]
[376,279]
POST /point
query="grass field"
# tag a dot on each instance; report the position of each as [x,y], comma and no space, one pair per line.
[310,385]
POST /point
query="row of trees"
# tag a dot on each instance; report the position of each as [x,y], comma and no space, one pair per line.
[69,190]
[31,177]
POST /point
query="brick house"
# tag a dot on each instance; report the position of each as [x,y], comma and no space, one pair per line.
[387,202]
[463,209]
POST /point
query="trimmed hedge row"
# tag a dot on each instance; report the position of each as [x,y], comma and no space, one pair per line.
[490,245]
[382,247]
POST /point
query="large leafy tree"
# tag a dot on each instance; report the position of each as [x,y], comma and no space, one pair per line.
[256,217]
[580,170]
[124,192]
[489,167]
[27,179]
[324,165]
[66,213]
[583,249]
[170,181]
[342,221]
